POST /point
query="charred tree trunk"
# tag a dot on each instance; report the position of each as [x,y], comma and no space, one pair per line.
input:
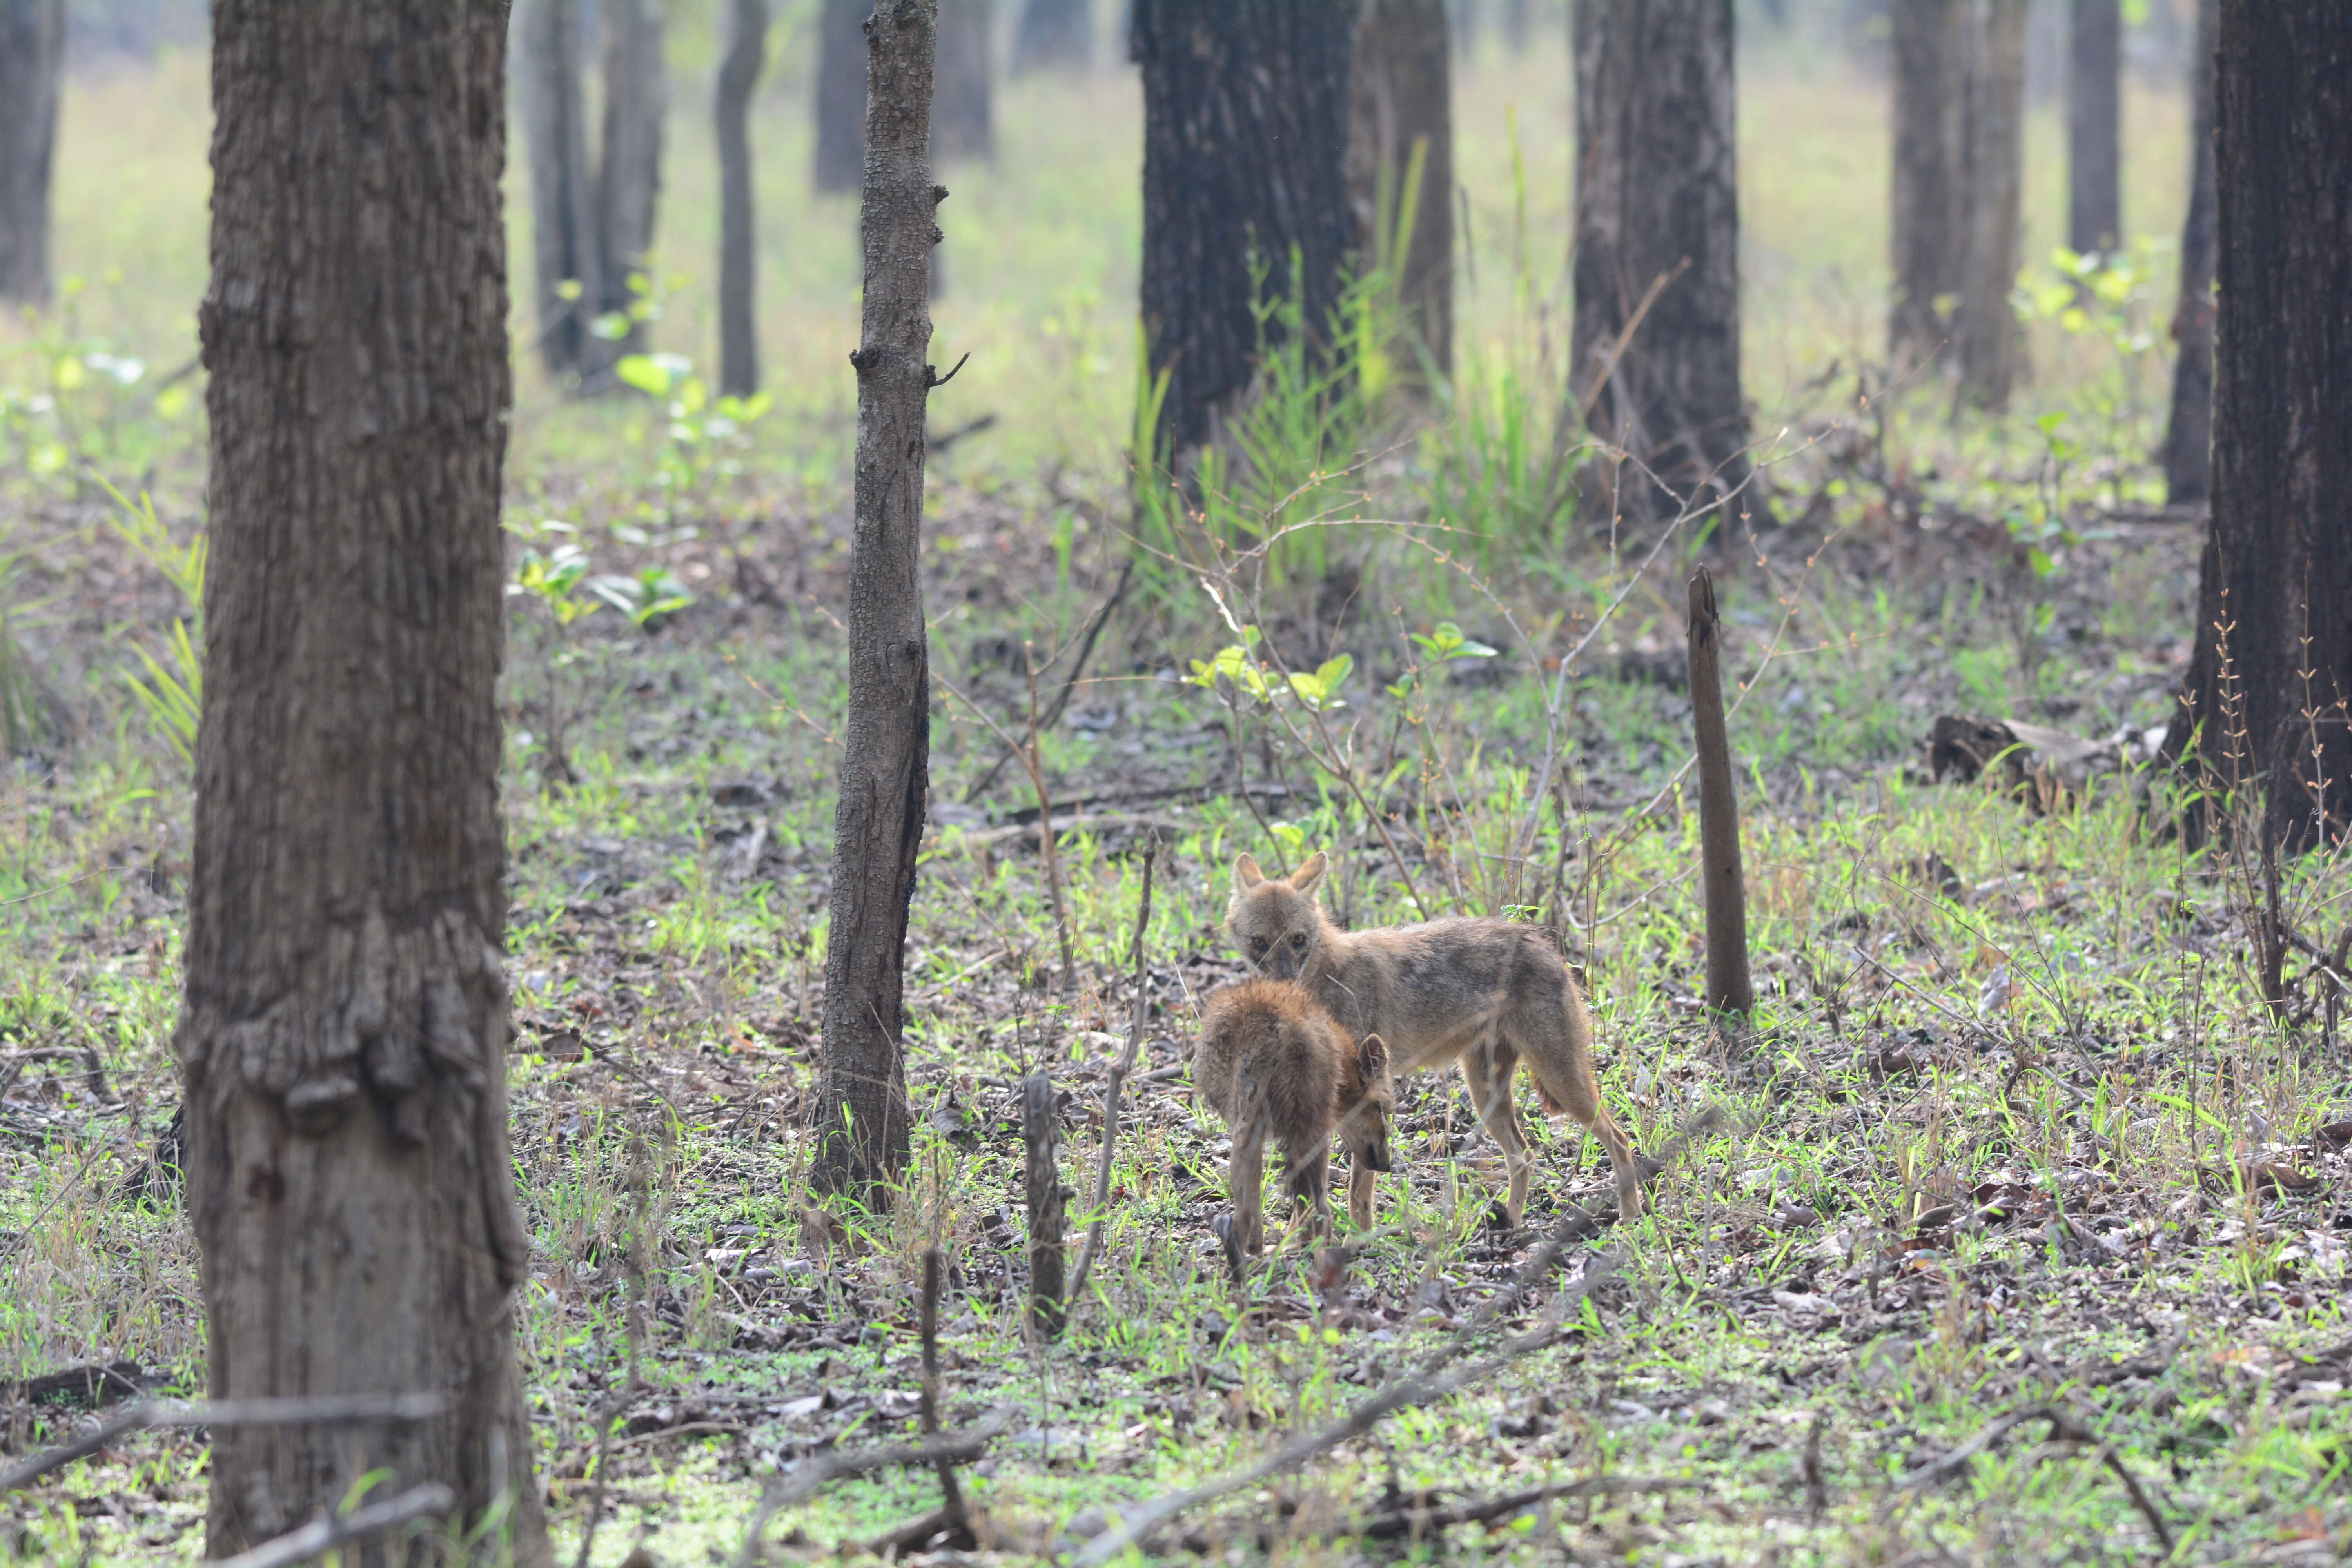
[2189,438]
[343,1033]
[1053,34]
[1993,174]
[738,73]
[2094,57]
[628,171]
[962,124]
[1404,103]
[1928,67]
[841,95]
[548,53]
[2269,690]
[1245,151]
[1657,225]
[878,825]
[32,57]
[1723,883]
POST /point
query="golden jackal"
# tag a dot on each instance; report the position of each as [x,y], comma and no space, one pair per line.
[1276,1066]
[1488,994]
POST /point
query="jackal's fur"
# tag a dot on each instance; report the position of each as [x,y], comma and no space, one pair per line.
[1486,994]
[1278,1068]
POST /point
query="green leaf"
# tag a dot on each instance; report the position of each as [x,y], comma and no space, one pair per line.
[645,373]
[1334,673]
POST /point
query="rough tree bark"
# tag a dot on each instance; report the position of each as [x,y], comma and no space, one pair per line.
[2095,56]
[2189,436]
[1053,34]
[548,53]
[738,73]
[628,166]
[840,159]
[1657,198]
[1928,65]
[963,125]
[1723,883]
[342,1038]
[1246,110]
[2269,684]
[1404,98]
[878,825]
[32,56]
[1991,347]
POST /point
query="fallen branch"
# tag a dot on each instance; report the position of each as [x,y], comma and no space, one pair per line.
[322,1535]
[1416,1521]
[811,1475]
[332,1410]
[1114,1088]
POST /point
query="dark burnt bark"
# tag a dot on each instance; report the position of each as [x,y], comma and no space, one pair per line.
[878,825]
[964,124]
[2095,56]
[738,73]
[628,165]
[2189,436]
[1403,98]
[1657,223]
[549,49]
[1245,106]
[1928,56]
[32,58]
[841,95]
[343,1033]
[1991,344]
[1053,34]
[1723,883]
[2269,684]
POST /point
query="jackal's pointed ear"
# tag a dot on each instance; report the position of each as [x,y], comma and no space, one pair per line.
[1372,1055]
[1246,871]
[1307,876]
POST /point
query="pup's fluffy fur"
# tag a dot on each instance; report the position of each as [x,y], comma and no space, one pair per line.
[1486,994]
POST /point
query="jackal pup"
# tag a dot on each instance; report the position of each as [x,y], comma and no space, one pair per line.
[1276,1066]
[1485,994]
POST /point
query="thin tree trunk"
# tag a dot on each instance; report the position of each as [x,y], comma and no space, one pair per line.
[963,125]
[2270,682]
[1658,197]
[32,55]
[1053,34]
[1993,165]
[2094,56]
[548,51]
[1518,30]
[1928,36]
[344,1029]
[1404,100]
[1722,880]
[1244,147]
[878,824]
[841,95]
[629,171]
[738,73]
[2189,438]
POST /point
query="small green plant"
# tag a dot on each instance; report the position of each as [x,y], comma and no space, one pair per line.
[553,572]
[703,438]
[71,404]
[170,689]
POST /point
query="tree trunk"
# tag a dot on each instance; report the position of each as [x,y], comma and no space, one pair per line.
[738,73]
[2188,439]
[563,230]
[2269,684]
[1518,28]
[1928,36]
[32,53]
[344,1033]
[1992,180]
[1053,34]
[629,171]
[878,825]
[2095,55]
[1657,209]
[841,95]
[1402,100]
[962,124]
[1244,150]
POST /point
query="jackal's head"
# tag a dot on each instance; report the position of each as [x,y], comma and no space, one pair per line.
[1364,1131]
[1275,920]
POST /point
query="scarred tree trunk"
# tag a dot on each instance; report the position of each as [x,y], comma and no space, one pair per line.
[343,1033]
[1246,110]
[1403,101]
[628,171]
[878,824]
[1928,36]
[1053,34]
[2189,438]
[32,53]
[548,53]
[2269,690]
[738,73]
[963,125]
[2095,55]
[1993,176]
[840,159]
[1657,222]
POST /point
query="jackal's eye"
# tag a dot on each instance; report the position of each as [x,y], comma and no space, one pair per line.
[1298,939]
[1257,944]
